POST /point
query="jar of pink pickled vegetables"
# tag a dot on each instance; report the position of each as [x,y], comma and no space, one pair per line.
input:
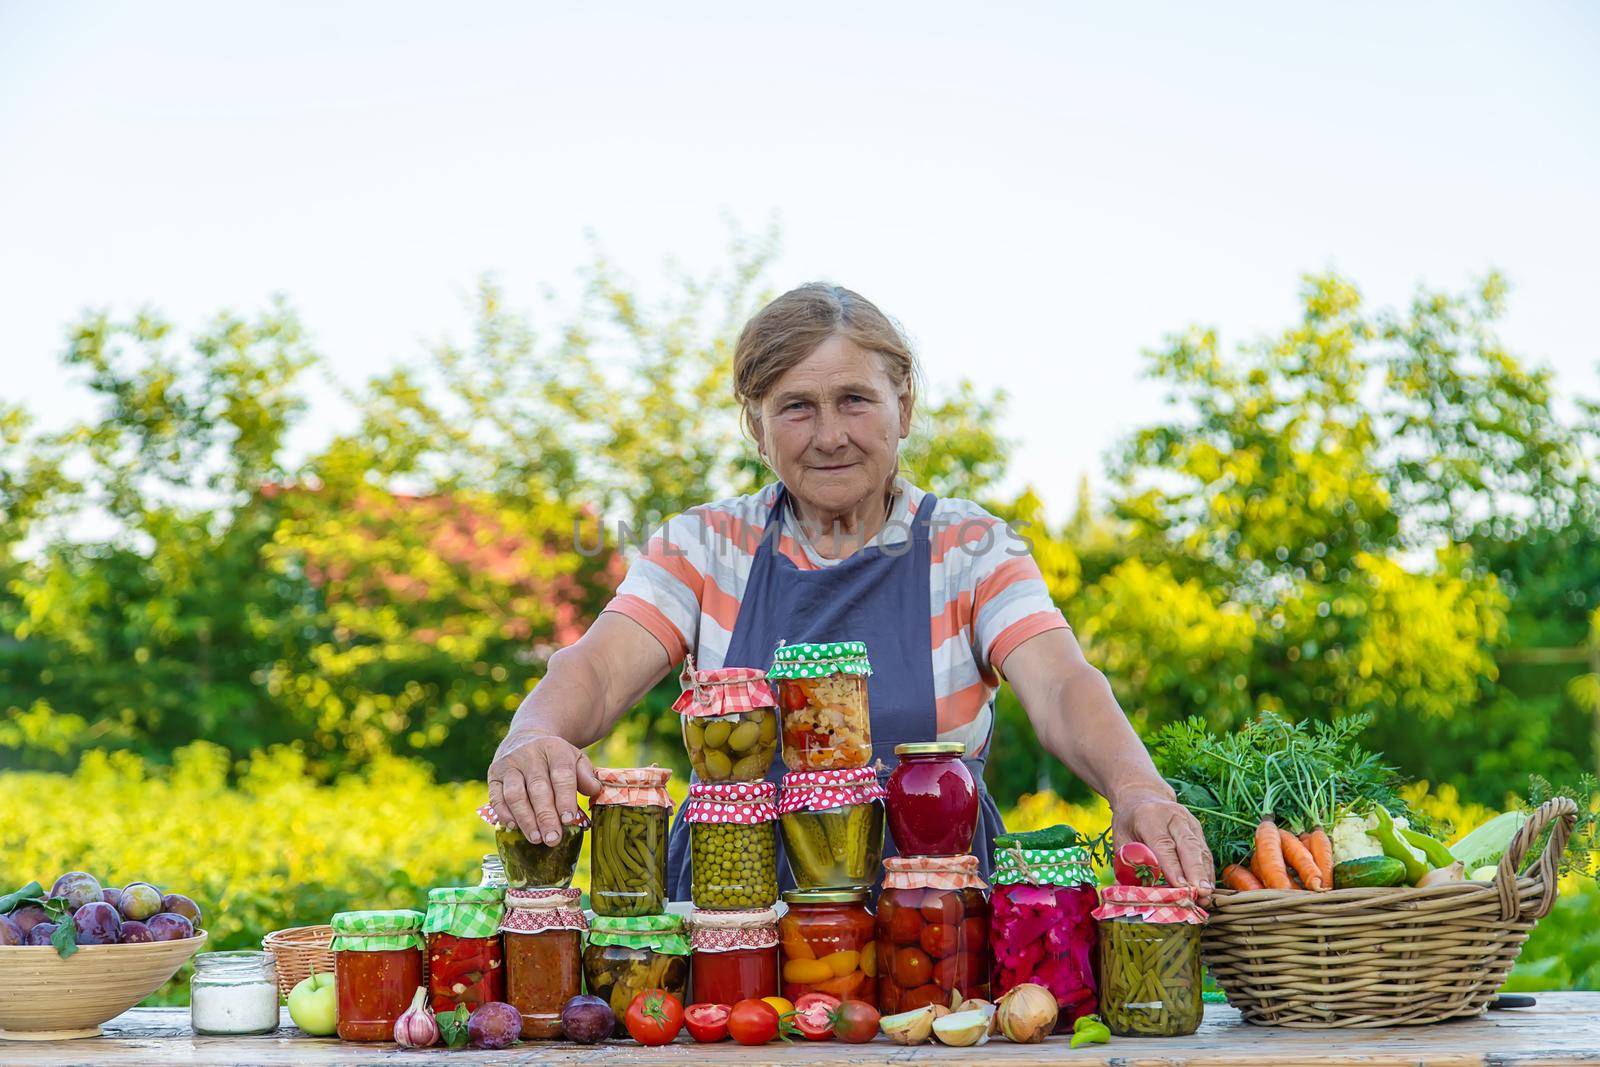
[1041,928]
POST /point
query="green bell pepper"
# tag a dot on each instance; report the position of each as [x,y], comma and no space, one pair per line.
[1388,835]
[1089,1030]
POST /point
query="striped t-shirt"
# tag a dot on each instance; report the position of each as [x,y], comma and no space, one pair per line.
[986,595]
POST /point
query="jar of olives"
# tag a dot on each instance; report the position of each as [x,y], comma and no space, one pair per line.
[733,844]
[1150,960]
[628,849]
[822,691]
[832,827]
[730,722]
[528,864]
[933,932]
[735,955]
[628,954]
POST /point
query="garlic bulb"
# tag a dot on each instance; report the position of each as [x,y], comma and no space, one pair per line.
[416,1027]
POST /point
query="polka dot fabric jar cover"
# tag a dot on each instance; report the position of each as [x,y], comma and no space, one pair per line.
[733,844]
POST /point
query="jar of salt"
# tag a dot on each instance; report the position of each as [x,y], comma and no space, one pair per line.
[234,993]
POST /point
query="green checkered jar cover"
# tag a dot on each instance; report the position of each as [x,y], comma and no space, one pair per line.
[1042,866]
[660,933]
[376,931]
[820,660]
[465,911]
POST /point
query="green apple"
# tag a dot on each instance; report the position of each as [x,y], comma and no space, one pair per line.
[314,1005]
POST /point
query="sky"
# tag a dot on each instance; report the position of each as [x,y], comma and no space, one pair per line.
[1039,192]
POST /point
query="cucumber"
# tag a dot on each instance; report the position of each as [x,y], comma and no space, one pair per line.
[1367,872]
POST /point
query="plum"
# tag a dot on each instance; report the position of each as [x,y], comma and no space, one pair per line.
[77,889]
[494,1025]
[165,926]
[135,932]
[586,1019]
[10,933]
[27,916]
[40,935]
[112,895]
[178,904]
[97,923]
[140,900]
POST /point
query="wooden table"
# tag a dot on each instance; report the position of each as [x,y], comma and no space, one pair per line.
[1563,1028]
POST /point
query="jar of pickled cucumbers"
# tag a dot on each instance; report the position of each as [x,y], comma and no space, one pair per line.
[735,955]
[822,694]
[524,864]
[832,824]
[628,845]
[628,954]
[828,947]
[933,932]
[730,722]
[1150,960]
[733,844]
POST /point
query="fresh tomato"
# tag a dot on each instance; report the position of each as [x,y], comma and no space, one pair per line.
[813,1015]
[654,1017]
[707,1022]
[855,1022]
[753,1022]
[1135,864]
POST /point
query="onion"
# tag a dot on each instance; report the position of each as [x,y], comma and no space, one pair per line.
[1027,1013]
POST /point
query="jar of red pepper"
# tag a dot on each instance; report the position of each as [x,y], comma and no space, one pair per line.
[735,955]
[465,965]
[1042,928]
[933,800]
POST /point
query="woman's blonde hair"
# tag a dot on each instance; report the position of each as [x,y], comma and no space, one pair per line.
[790,328]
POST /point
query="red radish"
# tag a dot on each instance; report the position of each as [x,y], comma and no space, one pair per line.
[1135,864]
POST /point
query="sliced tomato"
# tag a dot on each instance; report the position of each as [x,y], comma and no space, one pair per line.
[707,1022]
[813,1016]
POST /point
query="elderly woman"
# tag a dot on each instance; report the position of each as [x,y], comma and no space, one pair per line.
[841,548]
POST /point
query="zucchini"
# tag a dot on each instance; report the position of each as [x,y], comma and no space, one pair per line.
[1366,872]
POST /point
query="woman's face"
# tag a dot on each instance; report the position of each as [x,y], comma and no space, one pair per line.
[831,426]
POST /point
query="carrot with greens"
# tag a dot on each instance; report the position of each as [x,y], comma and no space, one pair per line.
[1321,849]
[1237,877]
[1268,863]
[1299,857]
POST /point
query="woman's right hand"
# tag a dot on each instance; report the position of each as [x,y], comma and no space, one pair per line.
[534,783]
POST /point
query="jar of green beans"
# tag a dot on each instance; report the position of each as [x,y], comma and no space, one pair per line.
[1150,960]
[628,842]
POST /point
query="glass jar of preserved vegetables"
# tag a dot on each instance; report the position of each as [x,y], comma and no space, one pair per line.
[543,934]
[933,800]
[377,970]
[828,946]
[933,932]
[493,871]
[464,961]
[730,722]
[525,864]
[735,955]
[628,848]
[822,693]
[832,827]
[1150,960]
[628,954]
[733,844]
[1041,926]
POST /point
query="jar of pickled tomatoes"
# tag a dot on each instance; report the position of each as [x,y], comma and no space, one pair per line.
[933,932]
[735,955]
[827,936]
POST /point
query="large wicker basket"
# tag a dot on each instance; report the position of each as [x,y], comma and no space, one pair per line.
[299,951]
[1383,957]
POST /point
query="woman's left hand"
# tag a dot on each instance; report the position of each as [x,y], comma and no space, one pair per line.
[1172,834]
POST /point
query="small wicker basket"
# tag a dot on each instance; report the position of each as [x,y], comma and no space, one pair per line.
[1383,957]
[300,950]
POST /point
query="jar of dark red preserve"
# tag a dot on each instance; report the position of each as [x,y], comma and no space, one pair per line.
[933,800]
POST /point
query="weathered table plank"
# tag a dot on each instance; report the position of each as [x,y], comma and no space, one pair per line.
[1563,1028]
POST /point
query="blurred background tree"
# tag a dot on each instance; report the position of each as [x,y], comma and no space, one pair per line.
[1373,509]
